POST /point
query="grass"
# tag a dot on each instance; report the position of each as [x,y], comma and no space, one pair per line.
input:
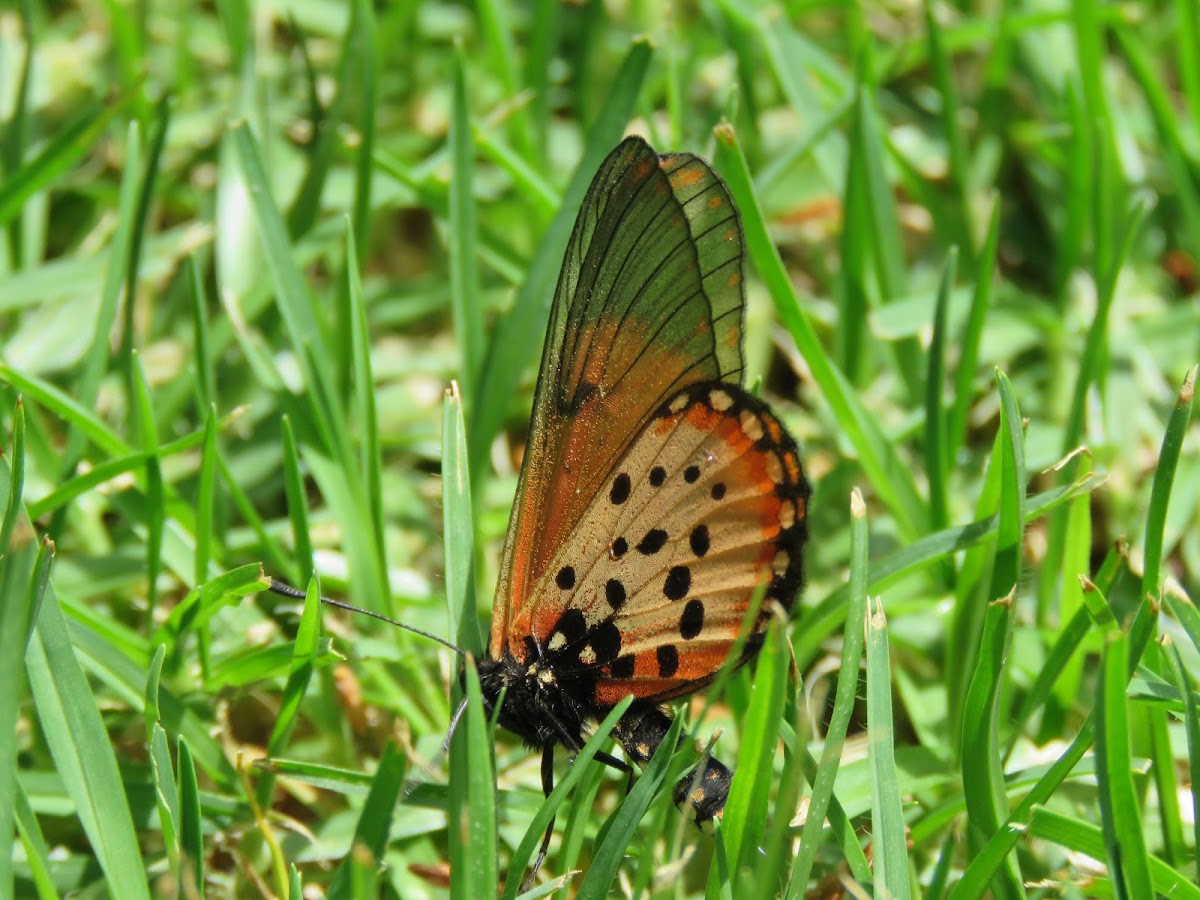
[245,252]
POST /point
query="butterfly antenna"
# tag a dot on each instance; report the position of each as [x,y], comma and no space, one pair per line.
[286,590]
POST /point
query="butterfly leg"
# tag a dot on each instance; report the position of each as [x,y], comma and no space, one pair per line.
[547,787]
[620,765]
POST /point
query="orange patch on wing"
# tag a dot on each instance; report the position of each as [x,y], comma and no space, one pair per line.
[665,425]
[702,418]
[735,279]
[716,202]
[687,177]
[612,691]
[730,431]
[792,465]
[702,662]
[773,429]
[544,619]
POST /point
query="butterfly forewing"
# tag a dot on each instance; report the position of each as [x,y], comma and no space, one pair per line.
[648,303]
[649,592]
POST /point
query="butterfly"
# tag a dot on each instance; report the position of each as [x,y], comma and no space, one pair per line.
[656,496]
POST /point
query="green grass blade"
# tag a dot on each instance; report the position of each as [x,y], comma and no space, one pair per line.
[844,701]
[67,407]
[191,832]
[374,823]
[968,345]
[292,294]
[1187,33]
[147,428]
[319,148]
[746,809]
[523,854]
[887,817]
[87,387]
[619,830]
[463,252]
[937,459]
[362,24]
[830,613]
[206,497]
[363,388]
[987,861]
[1164,478]
[844,831]
[982,769]
[1120,817]
[83,755]
[37,852]
[472,810]
[166,796]
[206,379]
[857,290]
[1166,785]
[301,669]
[14,134]
[71,142]
[1187,616]
[13,489]
[1006,568]
[959,220]
[17,614]
[1191,721]
[293,483]
[458,526]
[1085,838]
[158,139]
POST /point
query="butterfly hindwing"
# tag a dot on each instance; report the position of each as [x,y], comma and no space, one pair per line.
[649,302]
[649,593]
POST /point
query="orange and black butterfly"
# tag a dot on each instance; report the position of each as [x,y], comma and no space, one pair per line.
[656,496]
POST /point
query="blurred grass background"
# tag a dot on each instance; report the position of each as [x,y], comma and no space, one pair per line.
[244,250]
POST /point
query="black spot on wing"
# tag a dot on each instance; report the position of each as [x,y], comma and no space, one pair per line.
[620,489]
[614,593]
[605,640]
[691,623]
[668,660]
[678,583]
[572,625]
[653,542]
[565,578]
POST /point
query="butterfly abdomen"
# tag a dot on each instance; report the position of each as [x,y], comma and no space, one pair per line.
[699,794]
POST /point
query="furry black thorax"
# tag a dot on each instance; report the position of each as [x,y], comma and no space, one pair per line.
[536,706]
